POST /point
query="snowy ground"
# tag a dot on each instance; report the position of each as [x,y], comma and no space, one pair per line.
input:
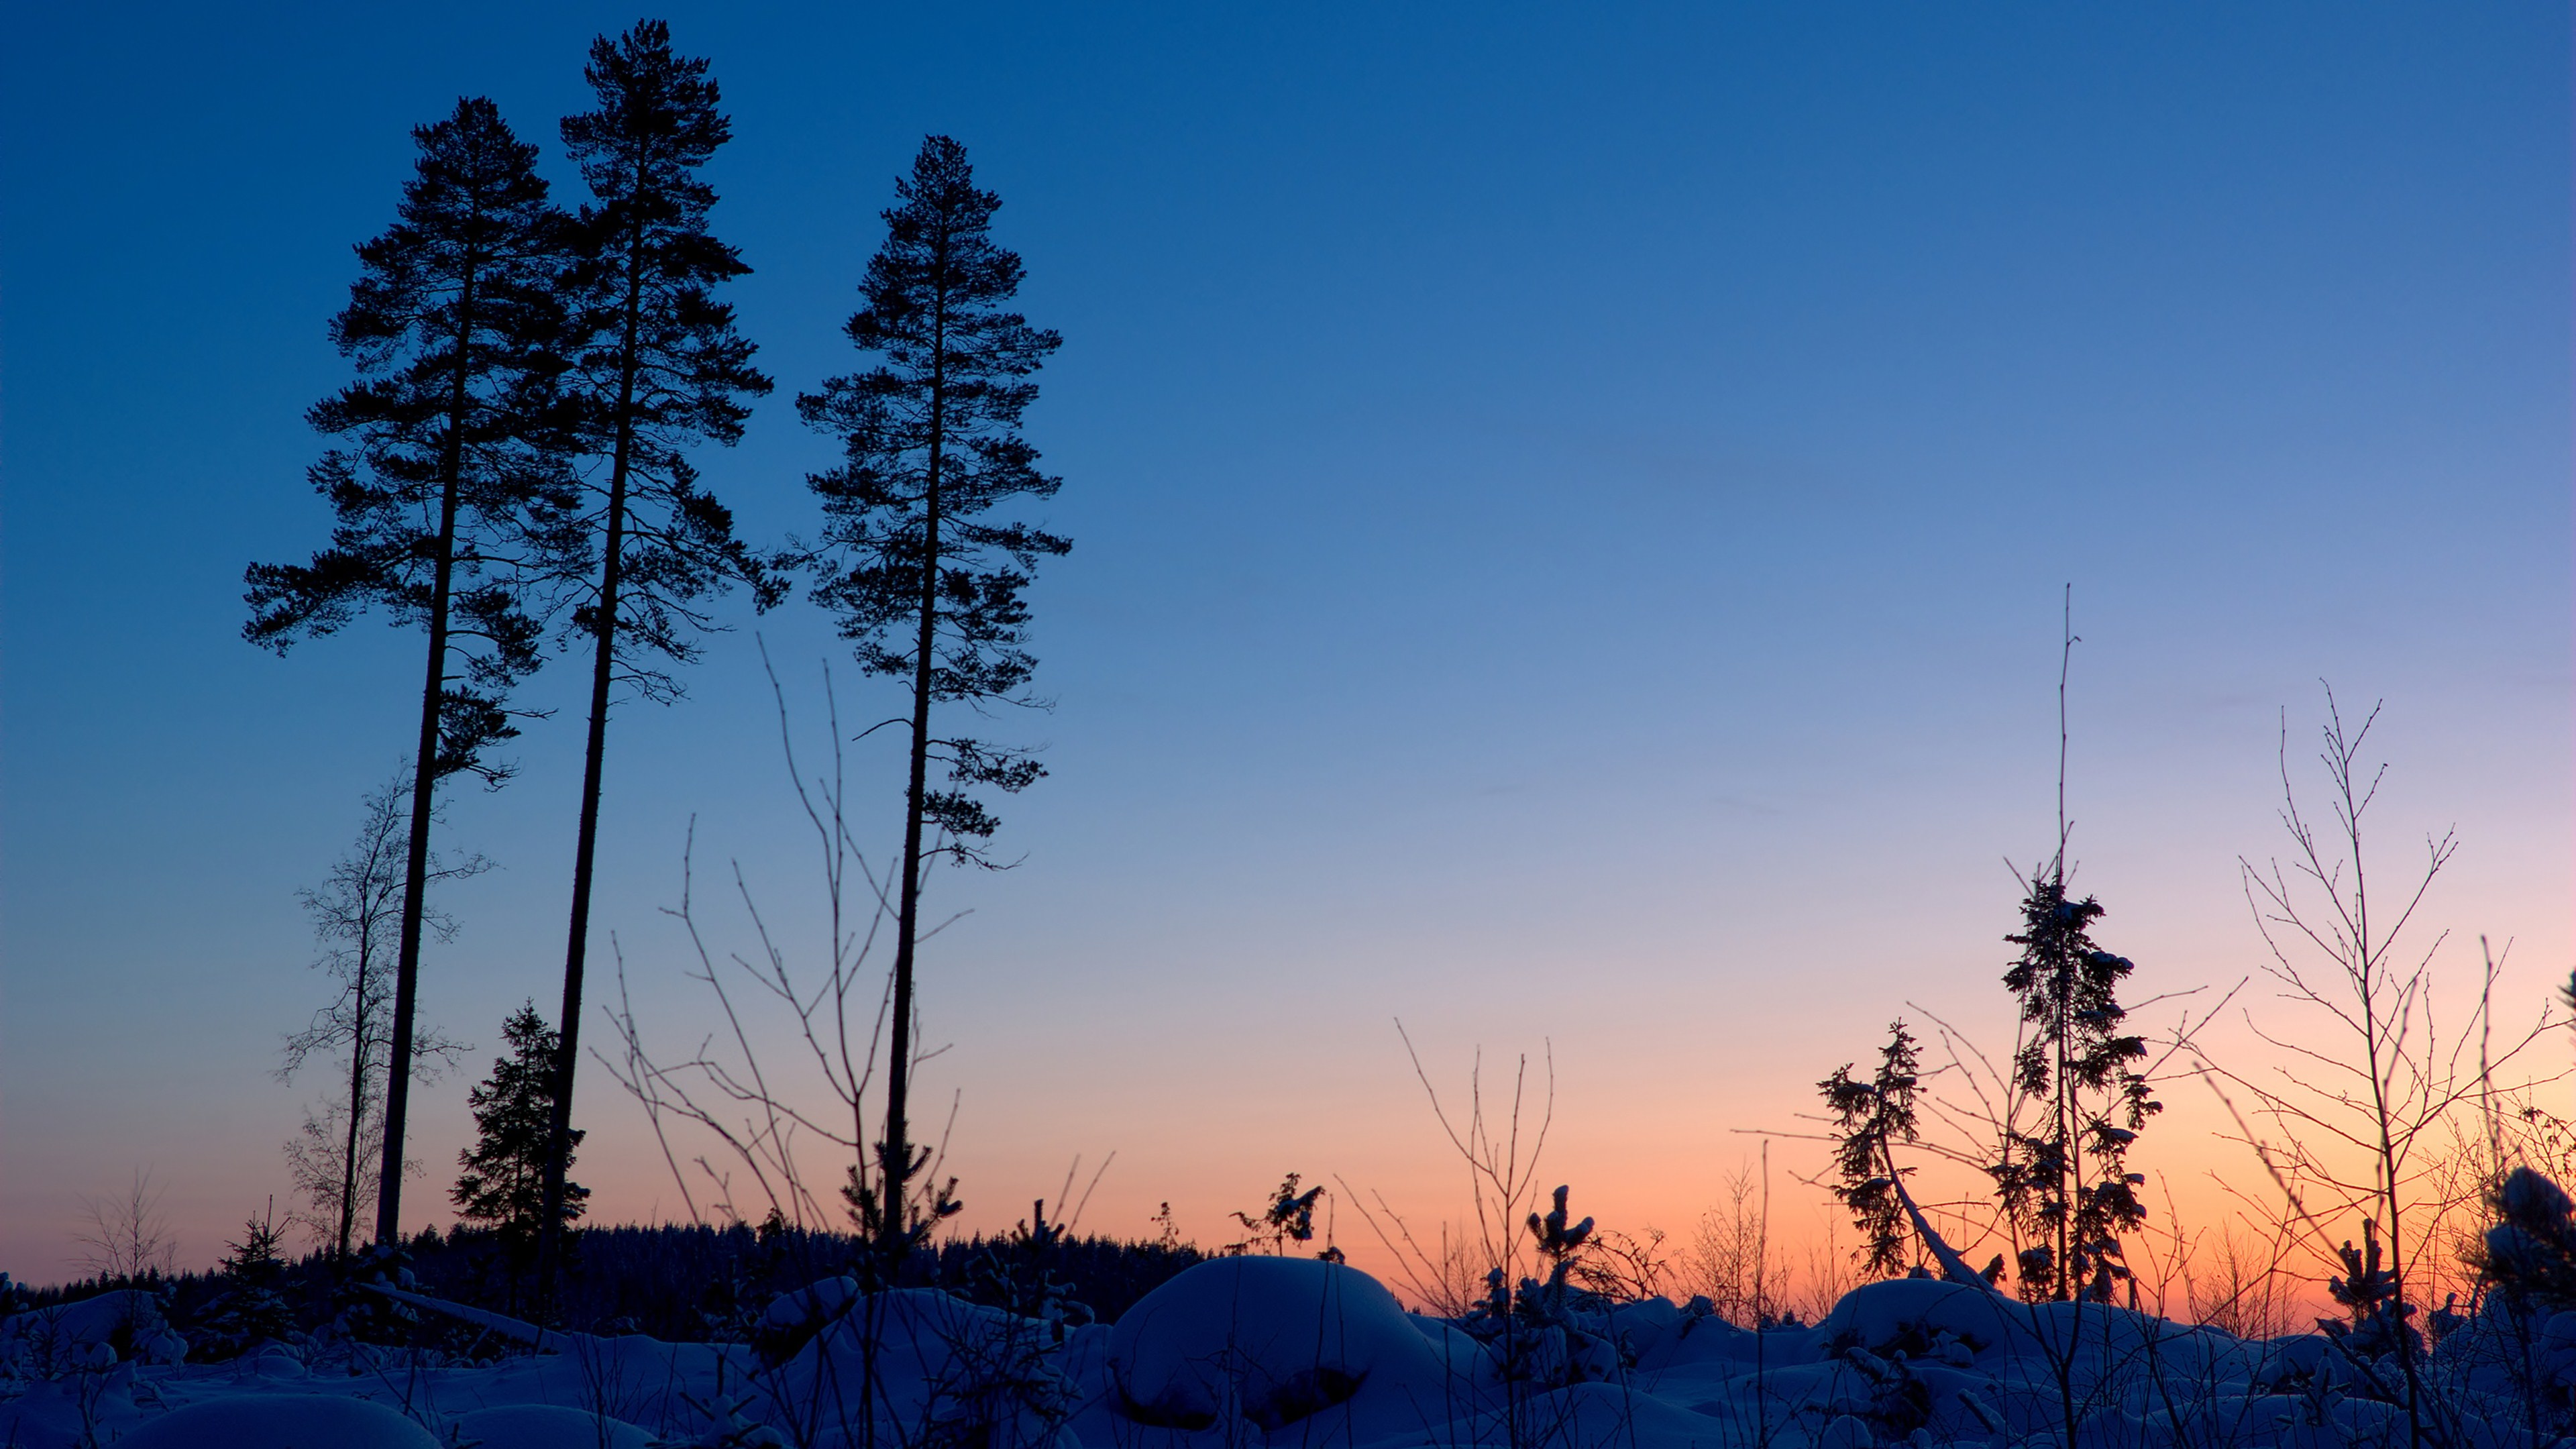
[1243,1352]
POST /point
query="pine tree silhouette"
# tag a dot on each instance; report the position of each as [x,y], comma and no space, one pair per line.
[455,439]
[660,367]
[928,586]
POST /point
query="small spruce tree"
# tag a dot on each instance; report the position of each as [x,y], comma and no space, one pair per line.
[1290,1218]
[253,1308]
[2064,1181]
[1872,1117]
[504,1182]
[2374,1300]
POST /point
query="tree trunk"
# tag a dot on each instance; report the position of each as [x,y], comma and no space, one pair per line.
[894,1164]
[586,849]
[357,1074]
[424,783]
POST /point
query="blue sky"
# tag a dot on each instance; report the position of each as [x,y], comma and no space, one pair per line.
[1570,514]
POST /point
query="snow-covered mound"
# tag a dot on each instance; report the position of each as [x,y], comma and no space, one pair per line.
[1271,1341]
[275,1421]
[1252,1353]
[93,1333]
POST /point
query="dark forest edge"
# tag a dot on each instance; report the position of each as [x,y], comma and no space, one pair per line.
[674,1282]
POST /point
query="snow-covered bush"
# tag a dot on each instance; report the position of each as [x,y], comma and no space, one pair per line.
[2528,1254]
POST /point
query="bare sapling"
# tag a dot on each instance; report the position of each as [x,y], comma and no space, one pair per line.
[357,919]
[1501,1155]
[126,1236]
[767,1117]
[1729,1259]
[2355,1117]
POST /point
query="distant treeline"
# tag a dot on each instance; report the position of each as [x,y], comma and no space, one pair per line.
[672,1282]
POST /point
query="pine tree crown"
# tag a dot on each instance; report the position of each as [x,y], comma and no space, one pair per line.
[453,436]
[658,363]
[931,446]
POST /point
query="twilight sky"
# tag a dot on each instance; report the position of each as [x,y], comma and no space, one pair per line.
[1569,517]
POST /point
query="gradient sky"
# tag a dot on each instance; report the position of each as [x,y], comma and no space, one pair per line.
[1569,512]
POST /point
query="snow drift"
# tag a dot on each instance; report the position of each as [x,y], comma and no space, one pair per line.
[1245,1352]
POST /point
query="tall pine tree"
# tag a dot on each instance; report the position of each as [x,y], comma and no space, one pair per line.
[660,369]
[927,583]
[454,440]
